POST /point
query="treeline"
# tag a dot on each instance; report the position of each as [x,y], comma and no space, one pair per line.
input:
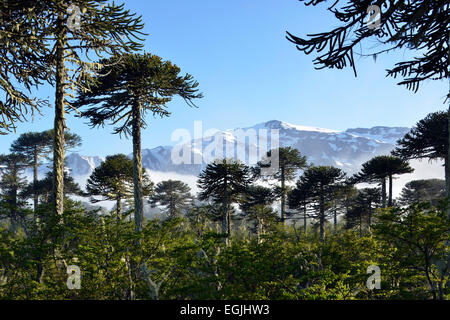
[227,242]
[199,251]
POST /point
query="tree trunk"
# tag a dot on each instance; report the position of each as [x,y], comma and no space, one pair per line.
[228,226]
[39,271]
[35,179]
[258,230]
[283,196]
[335,219]
[322,218]
[137,169]
[447,165]
[58,144]
[390,191]
[119,208]
[13,203]
[172,208]
[383,191]
[225,222]
[360,223]
[447,173]
[304,218]
[322,227]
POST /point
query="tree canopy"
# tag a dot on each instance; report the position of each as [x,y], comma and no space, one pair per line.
[420,26]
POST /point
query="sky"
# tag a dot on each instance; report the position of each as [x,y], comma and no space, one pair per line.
[249,73]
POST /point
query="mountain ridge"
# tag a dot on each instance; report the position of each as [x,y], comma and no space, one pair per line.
[345,149]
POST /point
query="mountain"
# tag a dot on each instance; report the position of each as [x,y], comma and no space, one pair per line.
[345,149]
[82,165]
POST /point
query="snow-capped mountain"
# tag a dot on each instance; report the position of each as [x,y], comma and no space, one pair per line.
[345,149]
[82,165]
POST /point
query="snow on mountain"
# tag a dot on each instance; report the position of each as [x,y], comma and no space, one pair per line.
[276,124]
[386,134]
[345,149]
[82,165]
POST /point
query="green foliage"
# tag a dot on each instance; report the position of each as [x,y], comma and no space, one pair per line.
[174,195]
[224,180]
[113,179]
[283,165]
[180,263]
[421,26]
[319,186]
[43,188]
[289,162]
[362,209]
[382,167]
[416,238]
[22,67]
[415,191]
[428,139]
[141,81]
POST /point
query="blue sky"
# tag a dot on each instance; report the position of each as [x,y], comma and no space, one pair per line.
[249,73]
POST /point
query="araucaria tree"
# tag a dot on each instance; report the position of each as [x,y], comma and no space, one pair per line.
[174,195]
[22,66]
[12,167]
[34,145]
[421,26]
[113,180]
[363,206]
[381,168]
[431,190]
[224,181]
[322,184]
[427,140]
[256,206]
[299,198]
[44,188]
[125,92]
[67,31]
[289,163]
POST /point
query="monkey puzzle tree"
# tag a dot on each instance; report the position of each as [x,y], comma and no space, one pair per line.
[256,206]
[69,31]
[300,198]
[12,167]
[22,66]
[224,181]
[361,210]
[322,184]
[33,145]
[430,190]
[125,92]
[36,145]
[427,139]
[44,188]
[395,166]
[421,26]
[381,168]
[289,162]
[174,195]
[113,180]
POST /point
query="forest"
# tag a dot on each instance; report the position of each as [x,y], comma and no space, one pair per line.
[301,232]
